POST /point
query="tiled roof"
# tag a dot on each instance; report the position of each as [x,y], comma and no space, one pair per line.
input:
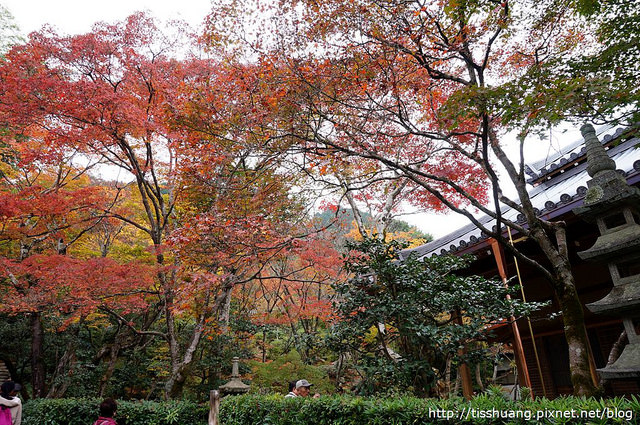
[553,195]
[545,168]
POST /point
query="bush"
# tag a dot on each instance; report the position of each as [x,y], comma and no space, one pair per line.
[414,299]
[276,410]
[346,410]
[275,375]
[85,411]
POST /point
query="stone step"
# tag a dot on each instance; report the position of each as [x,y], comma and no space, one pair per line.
[4,372]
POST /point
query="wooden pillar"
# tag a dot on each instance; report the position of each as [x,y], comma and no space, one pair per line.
[521,362]
[467,381]
[465,372]
[214,407]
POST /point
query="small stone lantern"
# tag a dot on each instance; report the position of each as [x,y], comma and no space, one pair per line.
[615,206]
[235,386]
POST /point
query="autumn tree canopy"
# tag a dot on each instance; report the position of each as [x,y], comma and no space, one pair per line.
[205,197]
[159,187]
[433,91]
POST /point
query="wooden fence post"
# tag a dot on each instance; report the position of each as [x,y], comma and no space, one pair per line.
[214,407]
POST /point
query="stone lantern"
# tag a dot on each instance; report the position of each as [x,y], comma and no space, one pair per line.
[235,386]
[615,207]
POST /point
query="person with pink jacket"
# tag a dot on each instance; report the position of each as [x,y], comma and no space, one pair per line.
[9,401]
[107,411]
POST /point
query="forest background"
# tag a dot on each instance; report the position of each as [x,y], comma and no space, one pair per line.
[171,199]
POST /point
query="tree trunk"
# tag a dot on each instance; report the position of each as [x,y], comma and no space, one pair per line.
[175,384]
[175,376]
[479,378]
[114,351]
[180,363]
[59,383]
[447,379]
[581,366]
[456,387]
[577,340]
[264,345]
[38,371]
[616,350]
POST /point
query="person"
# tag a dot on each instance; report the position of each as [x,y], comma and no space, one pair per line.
[292,390]
[10,401]
[107,411]
[292,387]
[302,389]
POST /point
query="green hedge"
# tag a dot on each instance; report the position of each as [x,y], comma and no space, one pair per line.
[335,410]
[275,410]
[85,412]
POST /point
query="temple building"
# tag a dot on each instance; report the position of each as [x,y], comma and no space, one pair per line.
[605,266]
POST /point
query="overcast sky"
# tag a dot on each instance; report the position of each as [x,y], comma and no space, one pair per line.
[77,16]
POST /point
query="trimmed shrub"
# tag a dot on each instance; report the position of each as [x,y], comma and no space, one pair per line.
[345,410]
[85,412]
[276,410]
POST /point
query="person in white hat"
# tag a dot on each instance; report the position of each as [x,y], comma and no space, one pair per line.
[301,389]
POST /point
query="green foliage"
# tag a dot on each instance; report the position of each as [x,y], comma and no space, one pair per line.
[213,367]
[276,410]
[618,29]
[598,83]
[14,331]
[617,62]
[84,411]
[429,312]
[275,376]
[139,370]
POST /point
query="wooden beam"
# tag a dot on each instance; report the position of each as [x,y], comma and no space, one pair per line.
[463,370]
[521,362]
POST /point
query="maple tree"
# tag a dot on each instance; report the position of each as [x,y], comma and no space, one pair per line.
[106,94]
[429,90]
[197,186]
[295,292]
[374,194]
[241,226]
[49,204]
[385,101]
